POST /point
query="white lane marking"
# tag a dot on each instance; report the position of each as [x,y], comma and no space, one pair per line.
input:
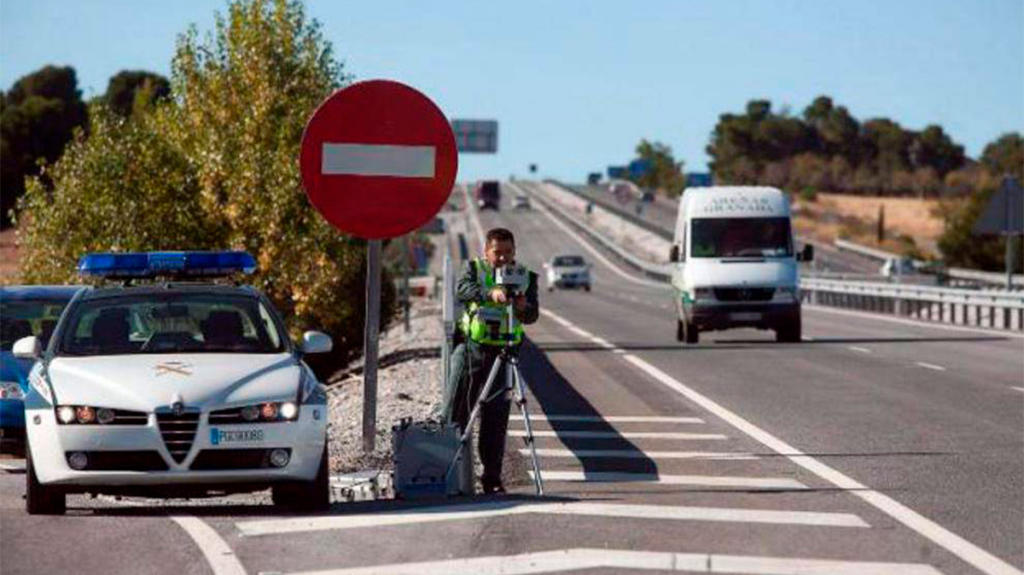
[701,480]
[564,560]
[806,338]
[574,434]
[610,418]
[860,349]
[640,454]
[1017,388]
[13,465]
[915,323]
[340,159]
[218,553]
[581,332]
[437,513]
[593,251]
[931,366]
[962,548]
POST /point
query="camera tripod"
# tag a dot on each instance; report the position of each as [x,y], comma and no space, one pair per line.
[514,383]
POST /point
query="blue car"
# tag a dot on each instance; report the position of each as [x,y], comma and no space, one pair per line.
[24,311]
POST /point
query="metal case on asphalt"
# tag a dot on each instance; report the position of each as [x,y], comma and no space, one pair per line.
[422,451]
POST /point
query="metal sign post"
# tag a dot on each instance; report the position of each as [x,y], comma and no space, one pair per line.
[370,334]
[378,160]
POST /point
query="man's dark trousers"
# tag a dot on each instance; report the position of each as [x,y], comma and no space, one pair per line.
[476,361]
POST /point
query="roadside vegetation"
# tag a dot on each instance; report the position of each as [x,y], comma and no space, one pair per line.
[210,162]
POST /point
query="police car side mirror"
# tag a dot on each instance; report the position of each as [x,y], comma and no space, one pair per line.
[316,342]
[28,348]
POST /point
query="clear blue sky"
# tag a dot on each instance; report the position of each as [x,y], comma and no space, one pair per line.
[576,84]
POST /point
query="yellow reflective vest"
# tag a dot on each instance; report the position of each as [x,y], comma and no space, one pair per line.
[486,322]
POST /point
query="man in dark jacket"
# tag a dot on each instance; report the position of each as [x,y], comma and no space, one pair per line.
[485,330]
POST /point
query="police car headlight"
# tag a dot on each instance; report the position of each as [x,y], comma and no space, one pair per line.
[250,412]
[266,412]
[11,390]
[288,410]
[66,414]
[89,415]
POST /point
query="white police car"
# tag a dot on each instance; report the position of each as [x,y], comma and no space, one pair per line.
[173,388]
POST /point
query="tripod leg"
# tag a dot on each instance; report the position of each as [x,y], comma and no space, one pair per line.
[520,389]
[467,433]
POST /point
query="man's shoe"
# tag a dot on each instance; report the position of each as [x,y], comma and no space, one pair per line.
[494,489]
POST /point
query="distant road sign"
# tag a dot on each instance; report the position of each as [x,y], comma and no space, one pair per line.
[618,172]
[378,159]
[476,136]
[698,180]
[1004,213]
[639,168]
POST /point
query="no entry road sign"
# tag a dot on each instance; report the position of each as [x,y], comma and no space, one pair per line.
[378,159]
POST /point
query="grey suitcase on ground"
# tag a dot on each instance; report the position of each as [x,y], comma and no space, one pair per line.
[422,451]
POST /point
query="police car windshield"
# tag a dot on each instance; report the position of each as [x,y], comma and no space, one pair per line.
[171,323]
[740,237]
[23,318]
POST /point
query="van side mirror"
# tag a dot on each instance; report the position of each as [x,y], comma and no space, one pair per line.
[673,254]
[807,254]
[28,348]
[316,342]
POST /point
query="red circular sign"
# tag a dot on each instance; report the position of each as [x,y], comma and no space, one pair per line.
[378,159]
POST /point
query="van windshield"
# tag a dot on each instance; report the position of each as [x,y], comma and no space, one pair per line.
[740,237]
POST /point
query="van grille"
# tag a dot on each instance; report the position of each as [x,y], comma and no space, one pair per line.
[744,294]
[178,432]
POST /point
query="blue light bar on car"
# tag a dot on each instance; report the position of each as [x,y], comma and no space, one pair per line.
[153,264]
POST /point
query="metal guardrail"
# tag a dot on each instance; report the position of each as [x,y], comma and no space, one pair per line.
[993,309]
[660,272]
[615,210]
[969,275]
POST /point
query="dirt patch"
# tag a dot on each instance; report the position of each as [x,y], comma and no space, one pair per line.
[856,218]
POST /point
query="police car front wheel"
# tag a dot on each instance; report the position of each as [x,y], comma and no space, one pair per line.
[312,495]
[40,499]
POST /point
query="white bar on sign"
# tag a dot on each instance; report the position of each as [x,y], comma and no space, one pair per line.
[378,160]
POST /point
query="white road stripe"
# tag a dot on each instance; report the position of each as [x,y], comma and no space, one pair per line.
[574,434]
[860,349]
[1018,388]
[490,509]
[218,553]
[639,454]
[378,160]
[13,465]
[624,559]
[701,480]
[610,418]
[931,366]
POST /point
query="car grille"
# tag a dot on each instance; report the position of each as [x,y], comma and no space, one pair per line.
[227,416]
[178,431]
[123,461]
[226,459]
[744,294]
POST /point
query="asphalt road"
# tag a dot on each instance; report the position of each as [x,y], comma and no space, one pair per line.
[874,447]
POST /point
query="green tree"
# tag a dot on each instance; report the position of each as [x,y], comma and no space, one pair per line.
[1005,156]
[664,172]
[960,247]
[39,115]
[933,148]
[225,172]
[131,89]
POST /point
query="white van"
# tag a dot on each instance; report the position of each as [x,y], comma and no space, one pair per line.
[734,263]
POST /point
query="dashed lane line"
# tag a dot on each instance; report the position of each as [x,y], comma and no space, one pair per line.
[579,434]
[609,418]
[489,509]
[564,560]
[860,349]
[931,366]
[657,478]
[639,454]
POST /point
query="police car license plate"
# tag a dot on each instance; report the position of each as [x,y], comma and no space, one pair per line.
[745,316]
[218,436]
